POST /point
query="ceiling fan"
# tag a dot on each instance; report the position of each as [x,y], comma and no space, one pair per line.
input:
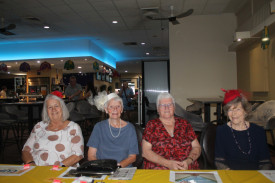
[172,18]
[5,30]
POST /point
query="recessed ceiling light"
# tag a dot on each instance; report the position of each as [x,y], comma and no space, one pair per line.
[46,27]
[115,22]
[79,67]
[147,53]
[9,72]
[142,43]
[9,66]
[239,40]
[126,71]
[80,72]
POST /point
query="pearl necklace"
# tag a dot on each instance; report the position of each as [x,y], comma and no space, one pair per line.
[237,143]
[111,129]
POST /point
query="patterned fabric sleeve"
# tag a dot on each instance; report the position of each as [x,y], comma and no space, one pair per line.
[77,141]
[149,129]
[31,140]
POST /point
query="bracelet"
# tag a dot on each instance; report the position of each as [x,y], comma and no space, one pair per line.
[31,162]
[190,158]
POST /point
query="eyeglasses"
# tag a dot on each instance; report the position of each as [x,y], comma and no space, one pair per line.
[112,108]
[163,106]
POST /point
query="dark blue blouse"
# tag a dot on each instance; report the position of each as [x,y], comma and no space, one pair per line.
[228,153]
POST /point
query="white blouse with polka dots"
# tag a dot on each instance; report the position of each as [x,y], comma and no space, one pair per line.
[50,148]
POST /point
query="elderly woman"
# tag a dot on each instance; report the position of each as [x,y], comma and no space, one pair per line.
[113,138]
[240,145]
[55,140]
[169,142]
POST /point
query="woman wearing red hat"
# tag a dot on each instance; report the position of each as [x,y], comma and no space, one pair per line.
[240,145]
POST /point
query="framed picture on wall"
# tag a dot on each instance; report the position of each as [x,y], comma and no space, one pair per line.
[103,77]
[98,76]
[107,78]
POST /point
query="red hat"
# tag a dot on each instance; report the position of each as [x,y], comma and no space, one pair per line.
[230,95]
[57,93]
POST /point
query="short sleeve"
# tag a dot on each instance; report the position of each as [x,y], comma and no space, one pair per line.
[31,140]
[190,132]
[77,141]
[94,138]
[149,129]
[133,141]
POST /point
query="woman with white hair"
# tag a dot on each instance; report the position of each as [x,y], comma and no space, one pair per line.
[113,138]
[54,140]
[169,142]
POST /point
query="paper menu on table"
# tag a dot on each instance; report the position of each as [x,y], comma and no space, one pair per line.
[270,174]
[123,174]
[11,170]
[187,176]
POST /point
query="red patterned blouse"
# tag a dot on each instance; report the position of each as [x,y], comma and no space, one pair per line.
[172,148]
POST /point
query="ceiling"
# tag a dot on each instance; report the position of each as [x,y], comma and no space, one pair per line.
[93,18]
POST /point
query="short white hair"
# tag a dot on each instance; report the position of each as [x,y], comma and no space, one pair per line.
[115,97]
[65,111]
[163,96]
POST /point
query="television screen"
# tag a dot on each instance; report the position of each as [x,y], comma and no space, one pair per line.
[103,77]
[107,77]
[98,76]
[110,79]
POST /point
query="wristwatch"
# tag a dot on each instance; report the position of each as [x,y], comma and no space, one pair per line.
[62,165]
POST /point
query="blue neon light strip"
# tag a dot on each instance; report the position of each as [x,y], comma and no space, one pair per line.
[56,48]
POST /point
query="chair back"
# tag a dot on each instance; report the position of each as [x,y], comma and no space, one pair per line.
[139,159]
[207,142]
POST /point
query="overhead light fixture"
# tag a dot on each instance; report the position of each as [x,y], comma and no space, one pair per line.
[79,67]
[115,22]
[38,61]
[239,40]
[126,71]
[147,53]
[265,38]
[142,43]
[46,27]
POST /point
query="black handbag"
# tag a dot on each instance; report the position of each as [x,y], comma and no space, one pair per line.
[97,167]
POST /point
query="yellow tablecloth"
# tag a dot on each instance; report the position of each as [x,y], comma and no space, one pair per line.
[45,174]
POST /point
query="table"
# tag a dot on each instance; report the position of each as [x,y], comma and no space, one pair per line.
[30,106]
[207,102]
[45,174]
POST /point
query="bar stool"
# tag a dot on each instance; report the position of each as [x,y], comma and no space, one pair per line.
[7,124]
[22,119]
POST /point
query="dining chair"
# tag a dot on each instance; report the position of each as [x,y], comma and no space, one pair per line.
[207,142]
[139,159]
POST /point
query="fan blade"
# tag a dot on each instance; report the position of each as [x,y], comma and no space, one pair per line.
[154,18]
[175,22]
[5,32]
[10,27]
[185,14]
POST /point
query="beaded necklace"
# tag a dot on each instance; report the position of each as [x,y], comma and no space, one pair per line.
[118,131]
[237,143]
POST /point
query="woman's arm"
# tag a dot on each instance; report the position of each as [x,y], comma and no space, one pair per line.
[129,160]
[27,157]
[193,155]
[155,158]
[92,154]
[72,160]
